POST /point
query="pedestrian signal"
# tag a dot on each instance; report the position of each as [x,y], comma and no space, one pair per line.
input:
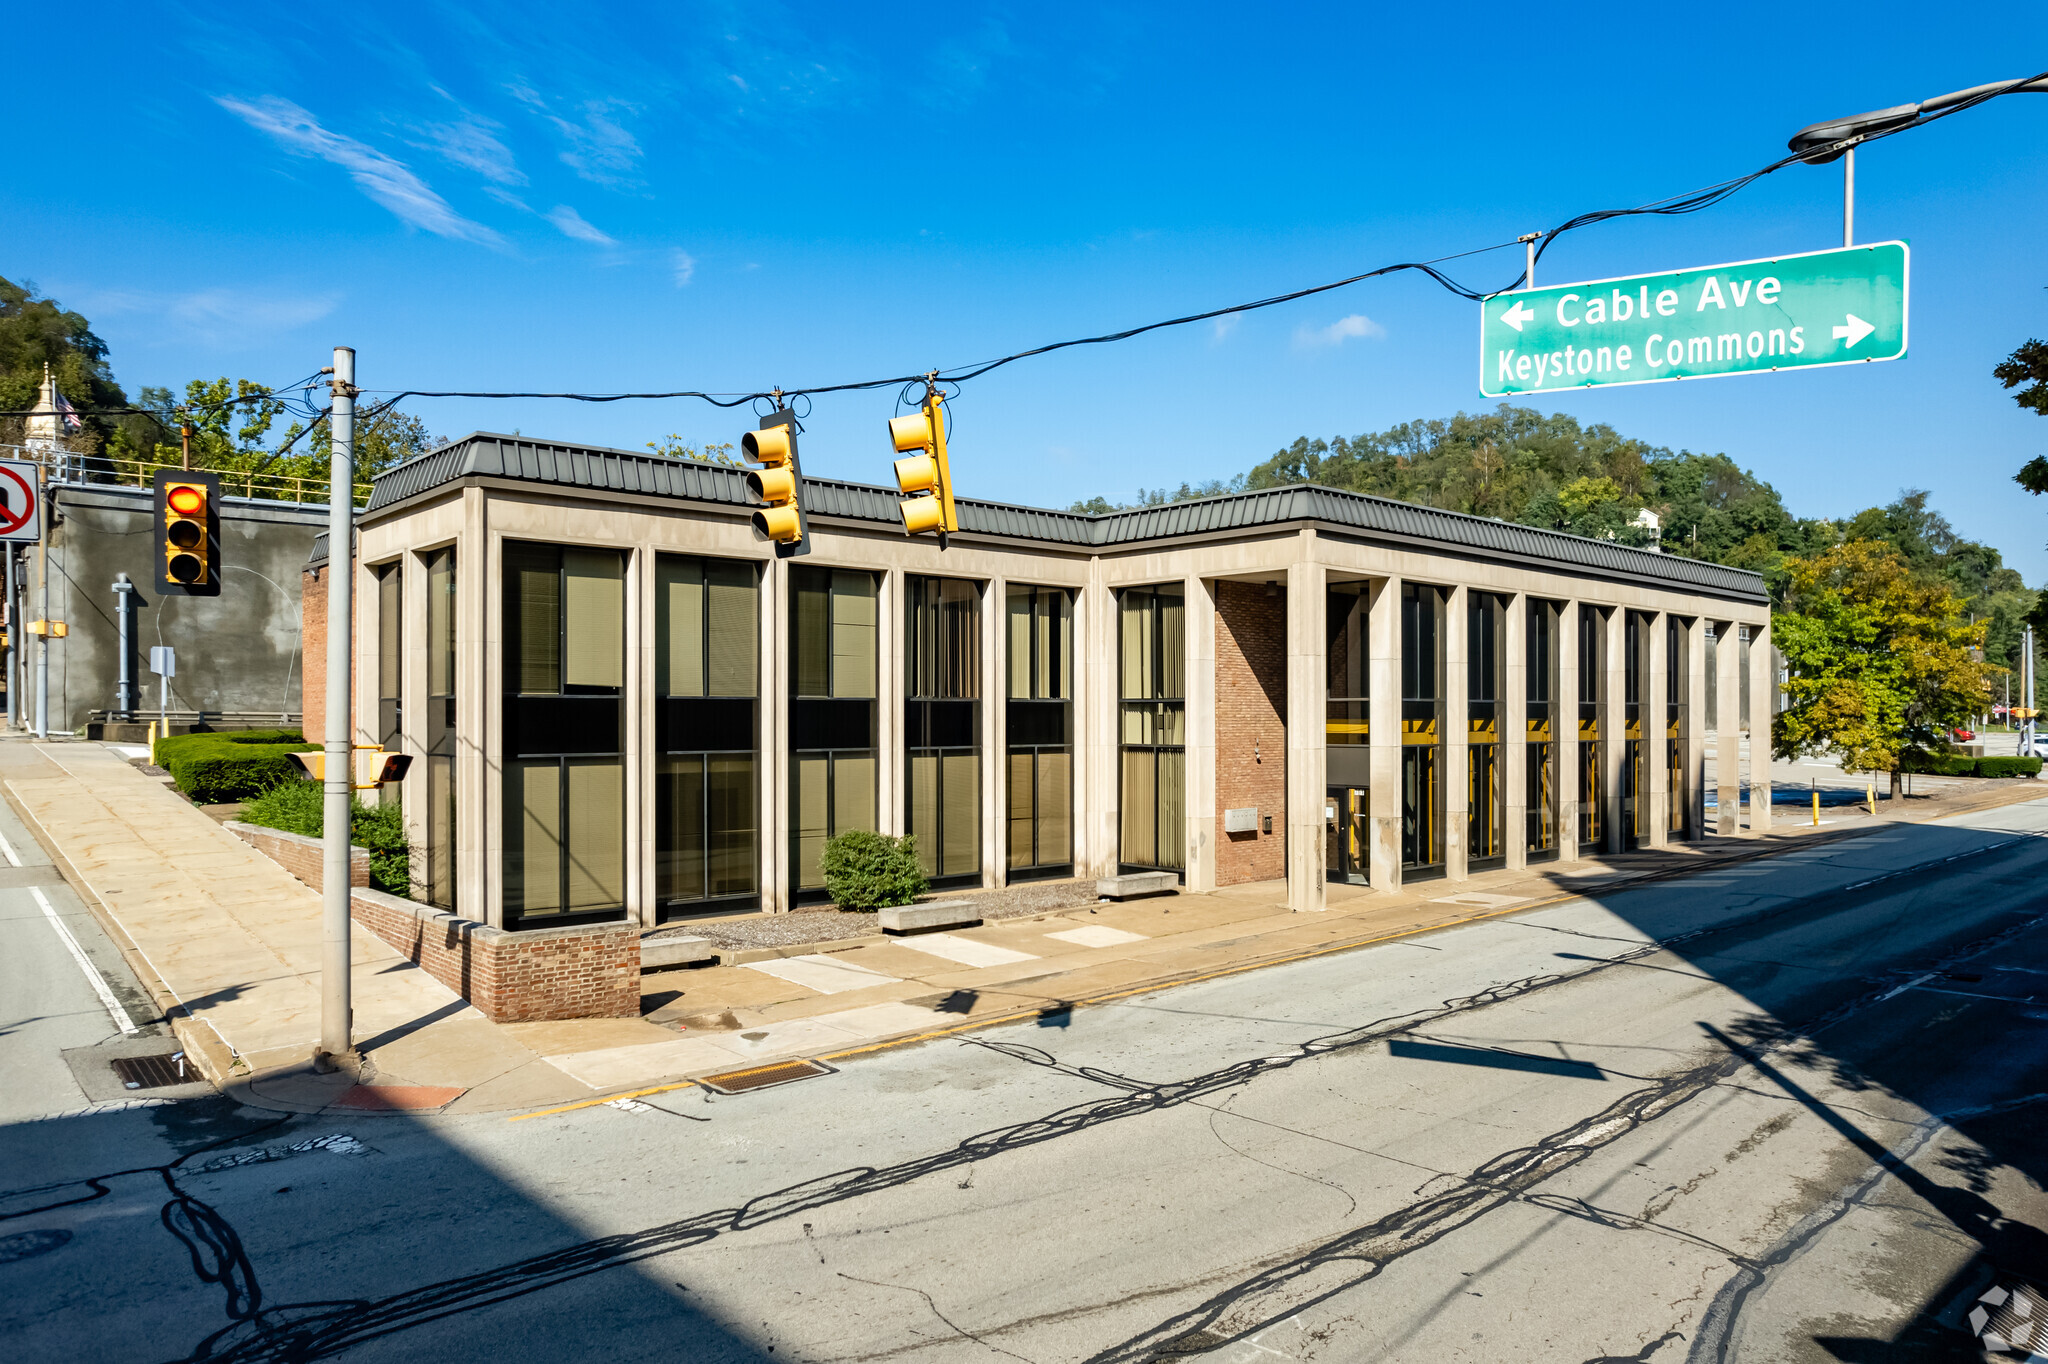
[778,484]
[925,473]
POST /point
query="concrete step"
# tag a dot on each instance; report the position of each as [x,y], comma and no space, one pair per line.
[1135,884]
[656,953]
[937,914]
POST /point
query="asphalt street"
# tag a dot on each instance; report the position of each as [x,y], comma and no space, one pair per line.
[1788,1111]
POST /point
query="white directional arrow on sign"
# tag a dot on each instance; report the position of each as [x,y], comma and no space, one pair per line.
[1518,314]
[1855,331]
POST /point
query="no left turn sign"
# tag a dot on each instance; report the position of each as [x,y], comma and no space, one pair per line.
[21,506]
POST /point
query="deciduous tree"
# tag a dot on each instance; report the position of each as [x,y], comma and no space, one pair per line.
[1880,660]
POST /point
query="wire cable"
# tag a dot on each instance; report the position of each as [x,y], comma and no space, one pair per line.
[1693,201]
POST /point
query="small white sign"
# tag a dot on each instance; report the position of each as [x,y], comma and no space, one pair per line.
[1241,821]
[21,502]
[163,660]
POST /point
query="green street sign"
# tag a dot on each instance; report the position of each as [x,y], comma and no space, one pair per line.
[1841,307]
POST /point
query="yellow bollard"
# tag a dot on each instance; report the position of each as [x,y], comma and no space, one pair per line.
[1816,807]
[152,743]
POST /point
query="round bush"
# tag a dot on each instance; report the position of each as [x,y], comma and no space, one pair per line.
[865,871]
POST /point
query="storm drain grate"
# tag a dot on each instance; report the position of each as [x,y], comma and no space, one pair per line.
[760,1077]
[154,1072]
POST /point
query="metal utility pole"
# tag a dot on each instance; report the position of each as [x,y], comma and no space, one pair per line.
[1528,241]
[43,642]
[1837,137]
[13,645]
[336,1009]
[124,606]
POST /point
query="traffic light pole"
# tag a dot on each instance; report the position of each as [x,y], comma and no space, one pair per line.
[336,1010]
[43,642]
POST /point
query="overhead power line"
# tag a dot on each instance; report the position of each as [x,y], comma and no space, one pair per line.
[1691,202]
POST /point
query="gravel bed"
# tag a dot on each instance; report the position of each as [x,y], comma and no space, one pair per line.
[829,924]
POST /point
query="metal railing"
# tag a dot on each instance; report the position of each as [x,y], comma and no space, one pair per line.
[71,466]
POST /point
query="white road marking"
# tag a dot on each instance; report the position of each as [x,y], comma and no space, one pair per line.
[966,951]
[1095,935]
[8,849]
[826,974]
[99,983]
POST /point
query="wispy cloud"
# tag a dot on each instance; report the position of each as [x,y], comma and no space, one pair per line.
[600,149]
[387,181]
[471,142]
[571,224]
[686,267]
[1340,331]
[214,314]
[1221,327]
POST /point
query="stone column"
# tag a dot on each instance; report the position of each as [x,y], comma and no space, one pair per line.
[995,729]
[1514,729]
[1457,734]
[479,720]
[1613,727]
[1199,625]
[775,767]
[1383,708]
[890,605]
[1567,729]
[1656,768]
[640,729]
[1096,786]
[412,689]
[1308,676]
[1696,727]
[1763,694]
[1727,728]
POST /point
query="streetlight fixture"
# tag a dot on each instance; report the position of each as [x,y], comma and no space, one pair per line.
[1836,139]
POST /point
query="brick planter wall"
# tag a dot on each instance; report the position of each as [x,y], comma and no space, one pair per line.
[590,971]
[1251,730]
[299,855]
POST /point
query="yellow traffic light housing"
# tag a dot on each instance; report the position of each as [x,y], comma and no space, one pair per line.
[924,473]
[187,532]
[778,484]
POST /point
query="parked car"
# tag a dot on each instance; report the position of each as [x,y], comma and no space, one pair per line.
[1964,736]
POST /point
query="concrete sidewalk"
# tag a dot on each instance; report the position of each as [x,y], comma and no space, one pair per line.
[229,944]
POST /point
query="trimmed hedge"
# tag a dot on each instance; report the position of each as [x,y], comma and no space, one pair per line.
[1958,765]
[866,871]
[215,768]
[299,807]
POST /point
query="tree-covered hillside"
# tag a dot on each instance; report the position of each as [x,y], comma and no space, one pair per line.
[1519,464]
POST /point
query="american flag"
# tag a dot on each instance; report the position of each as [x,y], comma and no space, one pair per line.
[72,421]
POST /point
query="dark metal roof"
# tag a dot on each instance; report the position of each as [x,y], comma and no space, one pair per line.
[483,454]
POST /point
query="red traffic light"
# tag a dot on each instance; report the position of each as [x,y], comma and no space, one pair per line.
[187,500]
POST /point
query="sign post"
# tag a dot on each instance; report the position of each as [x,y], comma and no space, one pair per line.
[1840,307]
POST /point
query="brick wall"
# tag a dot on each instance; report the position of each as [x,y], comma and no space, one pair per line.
[590,971]
[1251,729]
[313,630]
[300,855]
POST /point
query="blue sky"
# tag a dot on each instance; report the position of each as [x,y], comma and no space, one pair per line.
[727,198]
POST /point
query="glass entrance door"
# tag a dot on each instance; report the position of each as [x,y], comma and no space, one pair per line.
[1344,812]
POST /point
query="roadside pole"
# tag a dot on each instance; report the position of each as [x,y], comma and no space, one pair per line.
[43,643]
[336,1022]
[13,646]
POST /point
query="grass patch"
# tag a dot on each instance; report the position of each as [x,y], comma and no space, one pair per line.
[298,807]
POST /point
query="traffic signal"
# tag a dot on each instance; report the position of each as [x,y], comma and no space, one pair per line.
[188,532]
[924,473]
[778,484]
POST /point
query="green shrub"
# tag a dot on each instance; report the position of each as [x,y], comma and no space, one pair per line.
[212,768]
[872,871]
[299,807]
[1937,764]
[2008,767]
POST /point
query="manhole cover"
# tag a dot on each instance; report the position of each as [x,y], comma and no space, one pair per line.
[154,1072]
[760,1077]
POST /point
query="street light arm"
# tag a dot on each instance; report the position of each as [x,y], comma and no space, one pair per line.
[1829,140]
